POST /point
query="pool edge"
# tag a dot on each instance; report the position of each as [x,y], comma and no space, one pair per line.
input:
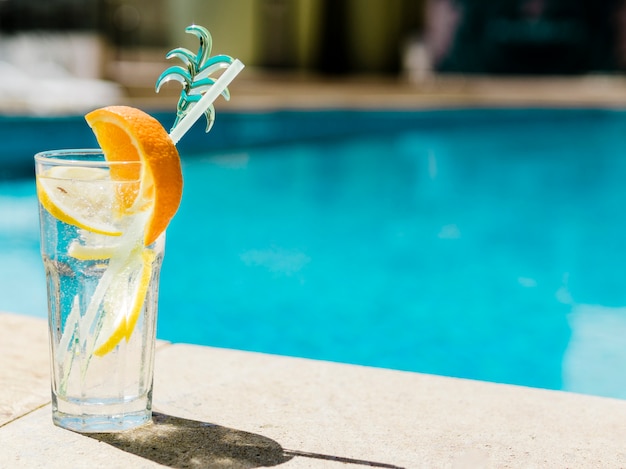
[318,412]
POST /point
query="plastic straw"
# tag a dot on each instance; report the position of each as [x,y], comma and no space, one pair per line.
[211,95]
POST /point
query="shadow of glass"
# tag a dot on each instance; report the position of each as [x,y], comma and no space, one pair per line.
[187,444]
[341,460]
[181,443]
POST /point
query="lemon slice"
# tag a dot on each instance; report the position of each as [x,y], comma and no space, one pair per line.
[84,252]
[129,305]
[70,195]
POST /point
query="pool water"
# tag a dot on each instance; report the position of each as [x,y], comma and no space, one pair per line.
[489,248]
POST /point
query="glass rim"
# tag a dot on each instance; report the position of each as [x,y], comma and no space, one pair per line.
[78,157]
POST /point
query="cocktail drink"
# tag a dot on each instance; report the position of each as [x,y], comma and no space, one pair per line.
[102,291]
[103,219]
[103,216]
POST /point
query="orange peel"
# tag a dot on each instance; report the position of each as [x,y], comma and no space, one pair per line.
[128,134]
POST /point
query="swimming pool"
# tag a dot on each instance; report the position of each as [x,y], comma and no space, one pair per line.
[485,244]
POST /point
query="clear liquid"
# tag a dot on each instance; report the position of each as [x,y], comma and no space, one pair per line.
[87,299]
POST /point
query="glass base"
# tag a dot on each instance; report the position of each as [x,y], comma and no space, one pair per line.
[101,417]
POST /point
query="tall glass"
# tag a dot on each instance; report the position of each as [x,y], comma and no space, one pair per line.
[102,287]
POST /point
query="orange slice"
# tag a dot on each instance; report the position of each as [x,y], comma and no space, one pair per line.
[129,134]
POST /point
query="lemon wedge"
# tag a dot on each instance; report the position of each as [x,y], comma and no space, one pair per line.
[125,322]
[84,252]
[70,195]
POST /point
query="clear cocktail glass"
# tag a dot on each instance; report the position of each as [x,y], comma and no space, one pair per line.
[102,284]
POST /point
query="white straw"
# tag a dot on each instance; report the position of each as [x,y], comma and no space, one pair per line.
[211,95]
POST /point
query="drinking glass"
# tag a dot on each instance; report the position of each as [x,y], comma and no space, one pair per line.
[102,286]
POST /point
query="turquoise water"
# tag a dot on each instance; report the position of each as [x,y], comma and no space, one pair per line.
[486,245]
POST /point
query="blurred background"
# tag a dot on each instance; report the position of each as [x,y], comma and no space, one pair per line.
[116,48]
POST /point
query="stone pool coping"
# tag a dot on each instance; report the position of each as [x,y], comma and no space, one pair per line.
[226,408]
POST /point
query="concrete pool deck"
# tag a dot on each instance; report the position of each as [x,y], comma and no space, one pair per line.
[218,408]
[256,90]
